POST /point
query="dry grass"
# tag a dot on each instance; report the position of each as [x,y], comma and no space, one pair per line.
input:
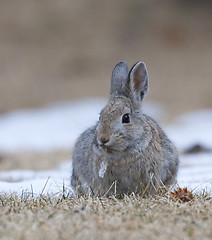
[132,217]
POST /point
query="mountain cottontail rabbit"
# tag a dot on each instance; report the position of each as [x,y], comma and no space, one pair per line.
[125,151]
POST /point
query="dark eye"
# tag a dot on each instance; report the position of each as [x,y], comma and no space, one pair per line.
[126,118]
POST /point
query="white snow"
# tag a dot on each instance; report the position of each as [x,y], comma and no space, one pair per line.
[57,127]
[195,171]
[53,127]
[52,182]
[103,168]
[192,128]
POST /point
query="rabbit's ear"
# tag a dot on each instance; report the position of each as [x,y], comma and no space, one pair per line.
[119,78]
[138,81]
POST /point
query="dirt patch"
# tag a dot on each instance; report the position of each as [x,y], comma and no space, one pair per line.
[33,160]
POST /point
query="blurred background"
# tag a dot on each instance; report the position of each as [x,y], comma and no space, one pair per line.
[63,50]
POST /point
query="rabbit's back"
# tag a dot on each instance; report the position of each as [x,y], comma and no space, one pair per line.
[82,162]
[167,153]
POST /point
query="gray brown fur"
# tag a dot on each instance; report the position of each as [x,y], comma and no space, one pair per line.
[113,157]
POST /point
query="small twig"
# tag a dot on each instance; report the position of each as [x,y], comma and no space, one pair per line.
[44,186]
[109,188]
[92,191]
[101,203]
[115,188]
[151,177]
[32,191]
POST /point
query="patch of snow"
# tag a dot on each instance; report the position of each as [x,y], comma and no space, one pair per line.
[192,128]
[103,168]
[51,128]
[195,171]
[37,182]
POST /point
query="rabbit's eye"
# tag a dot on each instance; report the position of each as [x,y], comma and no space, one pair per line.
[126,118]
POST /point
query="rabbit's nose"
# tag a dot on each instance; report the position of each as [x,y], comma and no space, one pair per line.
[103,139]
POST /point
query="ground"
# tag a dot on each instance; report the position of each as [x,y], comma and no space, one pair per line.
[132,217]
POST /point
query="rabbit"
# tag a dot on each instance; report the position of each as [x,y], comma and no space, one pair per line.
[125,151]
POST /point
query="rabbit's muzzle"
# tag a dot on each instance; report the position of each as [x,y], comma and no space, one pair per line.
[103,139]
